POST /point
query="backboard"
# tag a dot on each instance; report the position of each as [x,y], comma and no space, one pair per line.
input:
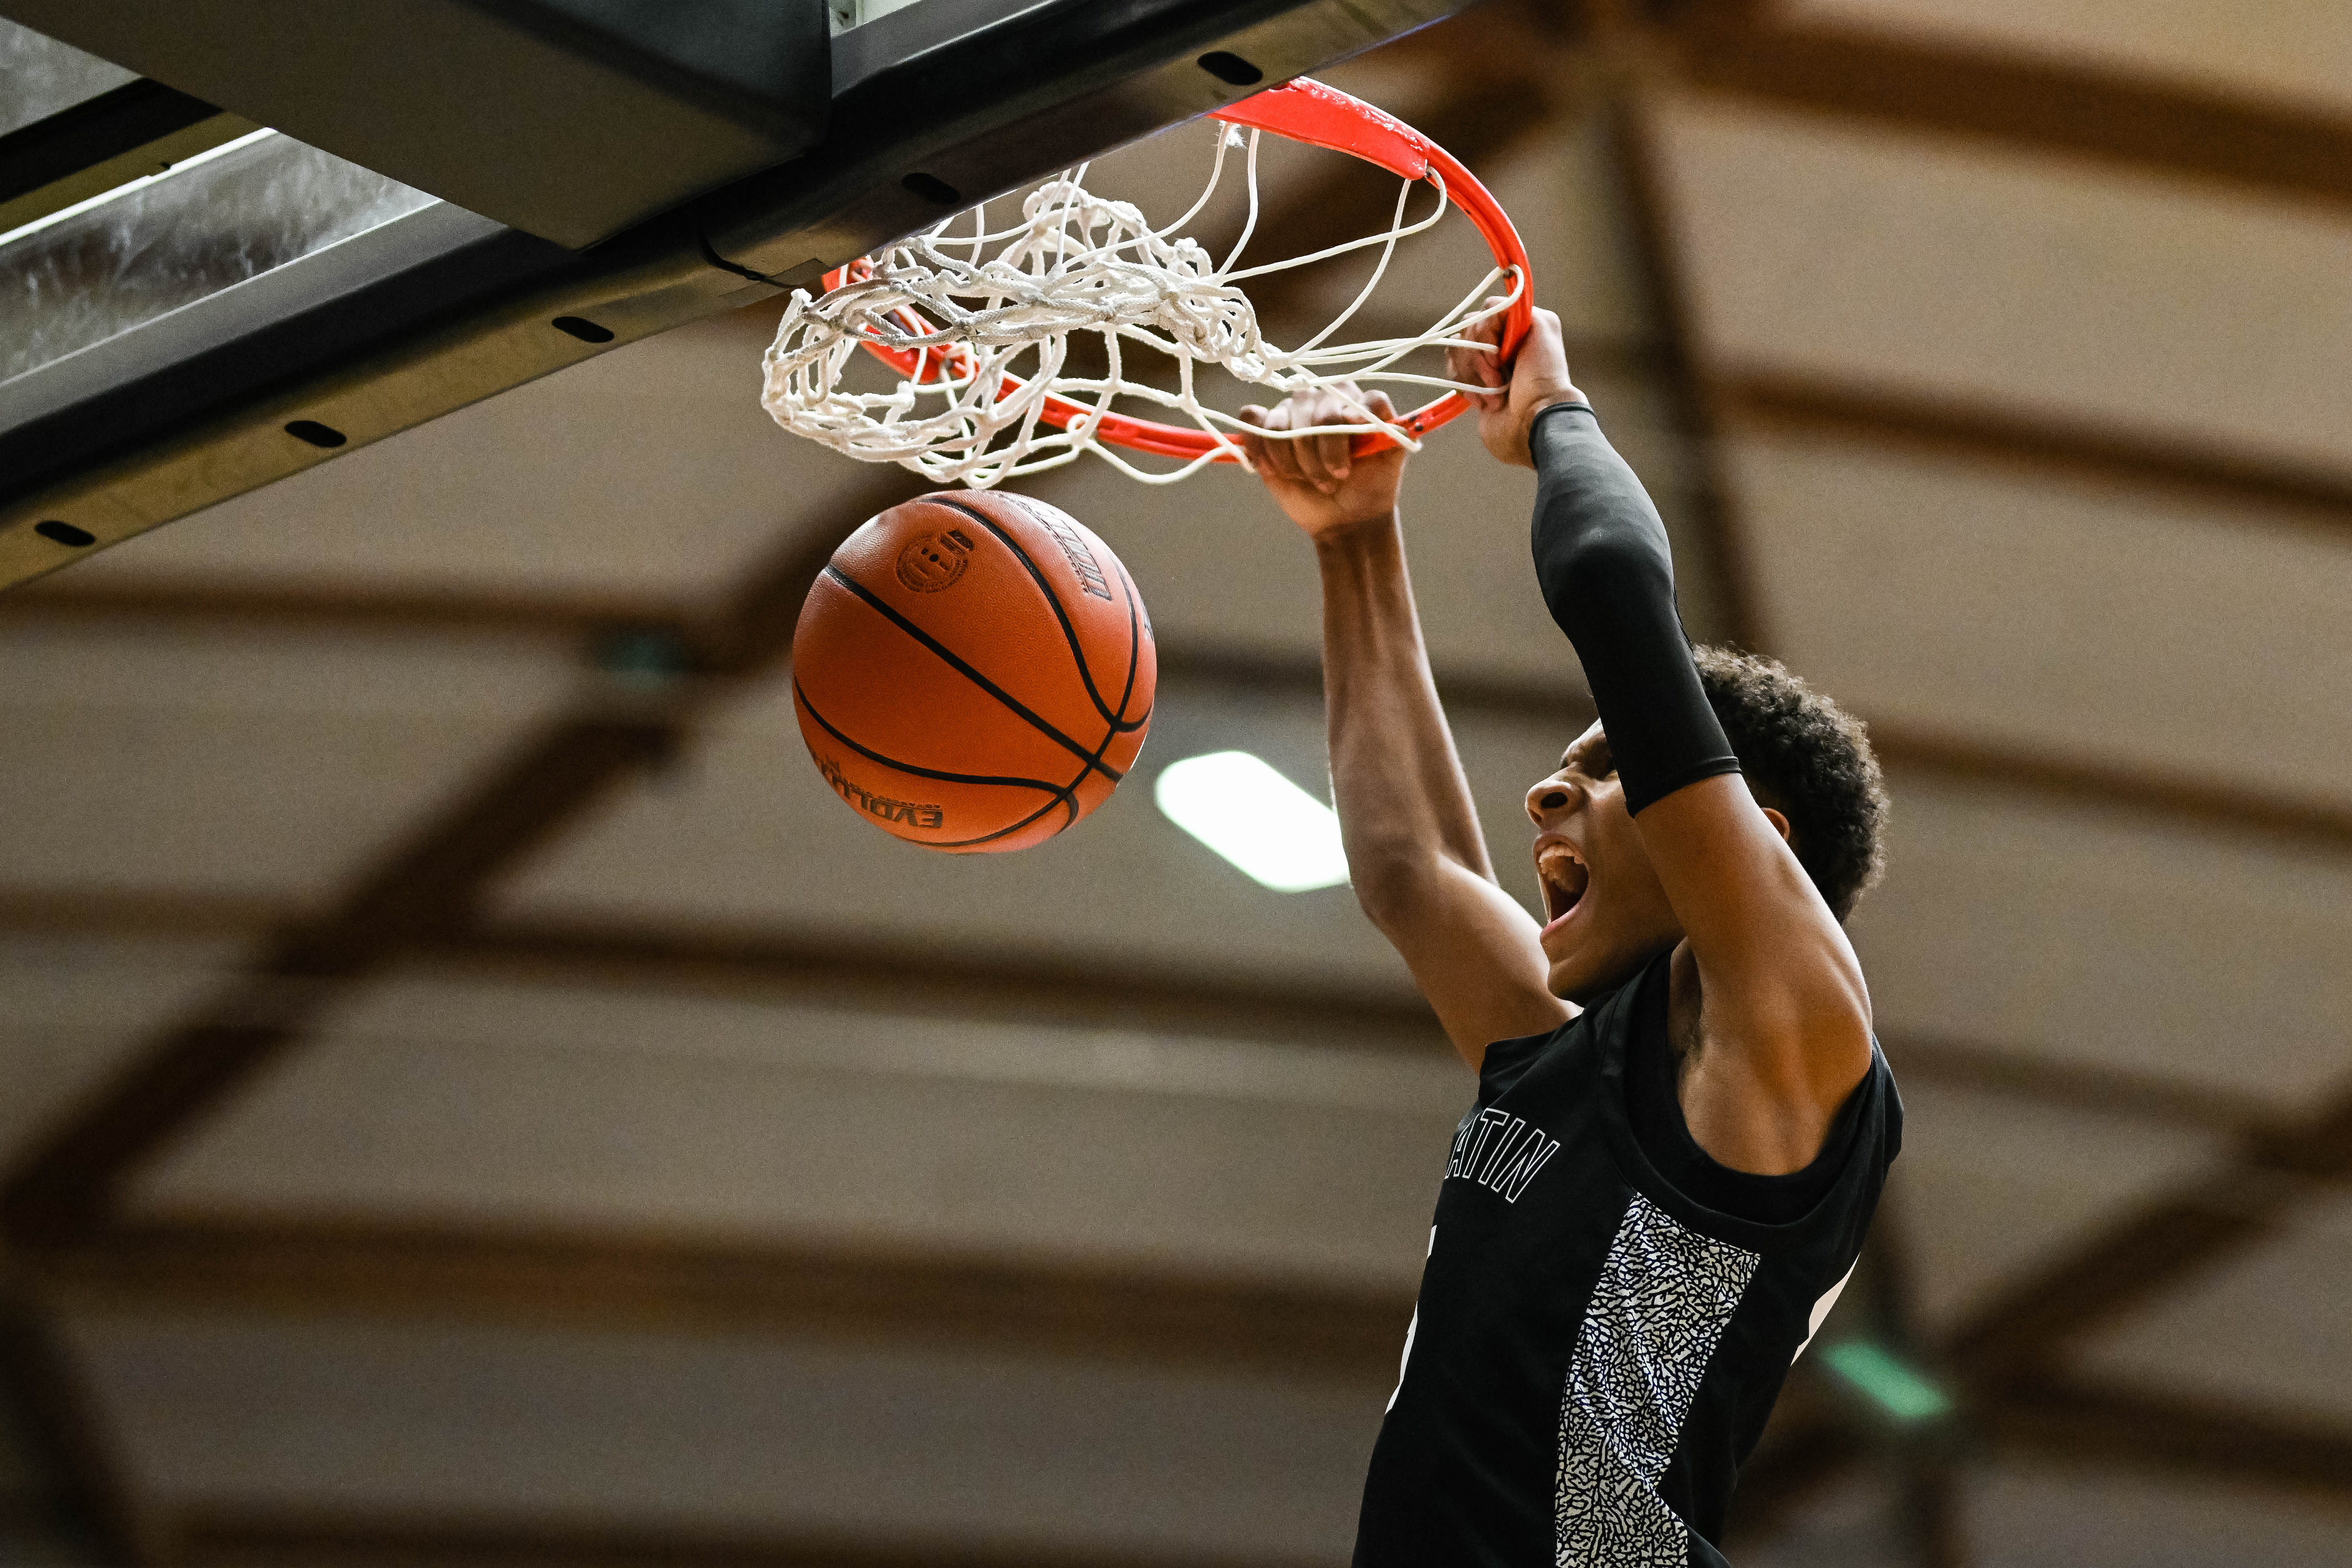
[240,261]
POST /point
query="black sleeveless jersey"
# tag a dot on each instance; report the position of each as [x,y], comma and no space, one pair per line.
[1607,1314]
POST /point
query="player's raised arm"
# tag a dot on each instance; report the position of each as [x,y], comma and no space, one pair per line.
[1781,1031]
[1415,854]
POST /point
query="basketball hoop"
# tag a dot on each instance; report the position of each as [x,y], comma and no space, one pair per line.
[951,314]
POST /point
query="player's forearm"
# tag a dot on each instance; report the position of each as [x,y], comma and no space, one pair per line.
[1602,558]
[1403,802]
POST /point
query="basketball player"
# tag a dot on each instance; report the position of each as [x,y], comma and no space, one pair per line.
[1683,1121]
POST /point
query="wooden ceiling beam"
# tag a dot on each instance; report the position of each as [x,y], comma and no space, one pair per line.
[221,1536]
[119,914]
[922,979]
[903,978]
[2014,99]
[2070,1421]
[2181,798]
[2008,1072]
[668,1284]
[1914,82]
[2298,494]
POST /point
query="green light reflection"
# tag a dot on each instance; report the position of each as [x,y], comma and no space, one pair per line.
[1897,1387]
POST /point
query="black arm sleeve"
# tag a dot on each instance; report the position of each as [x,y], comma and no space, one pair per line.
[1607,574]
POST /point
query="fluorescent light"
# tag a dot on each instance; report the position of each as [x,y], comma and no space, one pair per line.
[1897,1387]
[1251,814]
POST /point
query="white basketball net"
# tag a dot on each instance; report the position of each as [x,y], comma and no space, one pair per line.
[972,306]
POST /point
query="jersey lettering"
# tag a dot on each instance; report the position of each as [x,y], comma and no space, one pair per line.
[1499,1152]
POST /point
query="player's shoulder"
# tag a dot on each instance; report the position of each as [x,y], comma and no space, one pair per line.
[1507,1061]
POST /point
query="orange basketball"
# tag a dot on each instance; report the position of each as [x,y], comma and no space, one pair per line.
[973,672]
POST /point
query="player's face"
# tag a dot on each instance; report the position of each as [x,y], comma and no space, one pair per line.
[1605,911]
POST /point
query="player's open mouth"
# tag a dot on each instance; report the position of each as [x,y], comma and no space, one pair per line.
[1564,879]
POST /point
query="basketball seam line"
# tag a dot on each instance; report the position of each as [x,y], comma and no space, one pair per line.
[1134,645]
[1063,800]
[1134,666]
[1112,731]
[958,665]
[1069,631]
[888,761]
[1059,794]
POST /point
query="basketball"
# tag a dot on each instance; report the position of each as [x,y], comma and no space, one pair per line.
[973,672]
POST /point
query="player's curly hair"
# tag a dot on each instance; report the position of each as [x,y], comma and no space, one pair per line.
[1809,760]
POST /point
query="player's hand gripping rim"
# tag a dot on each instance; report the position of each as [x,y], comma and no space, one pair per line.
[1536,378]
[1323,486]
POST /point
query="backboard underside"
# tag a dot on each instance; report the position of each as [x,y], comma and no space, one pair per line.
[927,106]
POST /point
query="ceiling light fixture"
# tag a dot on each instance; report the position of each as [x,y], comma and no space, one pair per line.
[1239,807]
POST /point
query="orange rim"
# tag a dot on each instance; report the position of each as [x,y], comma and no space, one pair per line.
[1304,110]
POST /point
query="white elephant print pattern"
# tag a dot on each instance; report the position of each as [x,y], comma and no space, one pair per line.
[1664,1294]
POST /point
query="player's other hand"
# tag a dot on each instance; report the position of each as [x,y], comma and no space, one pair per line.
[1534,379]
[1314,478]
